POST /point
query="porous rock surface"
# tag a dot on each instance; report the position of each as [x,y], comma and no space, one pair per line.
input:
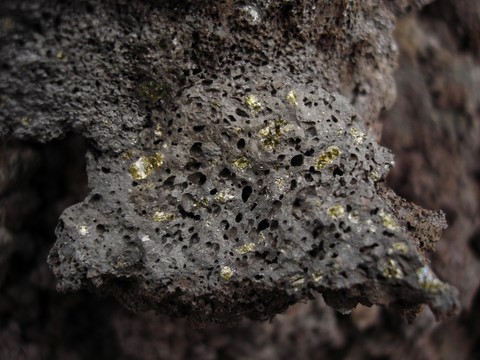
[228,176]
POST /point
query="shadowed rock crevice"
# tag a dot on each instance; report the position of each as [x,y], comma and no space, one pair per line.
[37,182]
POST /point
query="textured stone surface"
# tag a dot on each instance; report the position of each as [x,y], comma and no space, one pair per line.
[107,69]
[437,148]
[246,216]
[434,167]
[224,183]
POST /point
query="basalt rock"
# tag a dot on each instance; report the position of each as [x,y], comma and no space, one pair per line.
[230,175]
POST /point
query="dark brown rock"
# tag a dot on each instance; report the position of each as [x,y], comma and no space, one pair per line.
[37,323]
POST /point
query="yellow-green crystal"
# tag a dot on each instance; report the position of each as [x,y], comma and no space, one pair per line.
[145,165]
[226,273]
[249,247]
[374,175]
[261,238]
[253,103]
[391,270]
[292,98]
[25,121]
[388,221]
[223,197]
[158,130]
[297,280]
[271,134]
[428,280]
[358,135]
[336,211]
[127,155]
[61,55]
[242,163]
[203,203]
[280,183]
[162,216]
[317,277]
[327,157]
[82,230]
[398,247]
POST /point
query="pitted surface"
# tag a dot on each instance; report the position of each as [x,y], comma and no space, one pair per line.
[228,176]
[240,205]
[105,69]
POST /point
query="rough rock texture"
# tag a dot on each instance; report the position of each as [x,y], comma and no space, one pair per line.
[437,148]
[67,64]
[205,229]
[437,170]
[225,182]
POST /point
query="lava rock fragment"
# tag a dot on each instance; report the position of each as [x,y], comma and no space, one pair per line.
[228,175]
[218,231]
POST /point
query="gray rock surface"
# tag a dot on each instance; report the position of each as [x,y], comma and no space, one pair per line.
[228,175]
[105,69]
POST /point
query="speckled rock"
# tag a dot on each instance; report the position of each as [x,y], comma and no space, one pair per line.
[105,69]
[242,205]
[230,175]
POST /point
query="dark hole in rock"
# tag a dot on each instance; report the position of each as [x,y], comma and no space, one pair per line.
[196,148]
[337,172]
[197,178]
[246,192]
[241,144]
[241,113]
[225,173]
[264,224]
[297,160]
